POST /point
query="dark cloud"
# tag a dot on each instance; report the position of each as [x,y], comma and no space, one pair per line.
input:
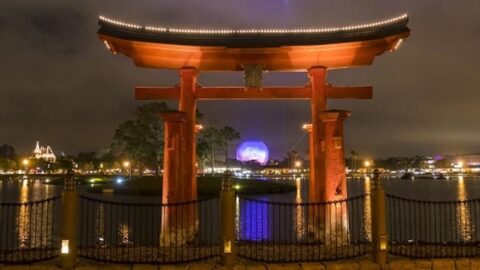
[58,84]
[46,28]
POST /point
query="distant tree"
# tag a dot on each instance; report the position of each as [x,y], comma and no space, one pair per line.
[353,159]
[88,161]
[63,163]
[7,151]
[213,141]
[443,164]
[141,140]
[7,164]
[290,158]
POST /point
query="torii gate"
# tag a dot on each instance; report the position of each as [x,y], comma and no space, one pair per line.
[317,91]
[312,50]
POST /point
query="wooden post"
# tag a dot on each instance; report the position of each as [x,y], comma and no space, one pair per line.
[335,187]
[318,104]
[68,234]
[227,215]
[178,226]
[187,104]
[336,182]
[379,221]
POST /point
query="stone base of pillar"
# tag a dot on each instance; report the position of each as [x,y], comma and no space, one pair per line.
[178,236]
[329,224]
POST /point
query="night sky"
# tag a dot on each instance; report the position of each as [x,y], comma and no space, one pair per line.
[59,85]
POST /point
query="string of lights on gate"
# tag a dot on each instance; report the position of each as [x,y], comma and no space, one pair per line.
[254,31]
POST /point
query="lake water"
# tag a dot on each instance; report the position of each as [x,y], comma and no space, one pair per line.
[255,221]
[455,188]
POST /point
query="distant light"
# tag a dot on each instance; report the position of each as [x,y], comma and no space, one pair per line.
[237,187]
[198,127]
[126,164]
[65,249]
[460,164]
[119,180]
[298,164]
[93,180]
[227,247]
[47,180]
[307,127]
[367,163]
[25,162]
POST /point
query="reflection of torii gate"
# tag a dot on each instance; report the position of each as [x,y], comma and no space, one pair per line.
[312,50]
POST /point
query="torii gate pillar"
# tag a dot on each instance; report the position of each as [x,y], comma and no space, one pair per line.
[318,104]
[176,229]
[335,188]
[187,104]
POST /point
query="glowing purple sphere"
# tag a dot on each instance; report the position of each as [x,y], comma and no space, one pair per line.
[253,151]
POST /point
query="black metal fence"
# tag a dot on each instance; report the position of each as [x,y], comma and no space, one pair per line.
[147,232]
[433,228]
[292,232]
[29,231]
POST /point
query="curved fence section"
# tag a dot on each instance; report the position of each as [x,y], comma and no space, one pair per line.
[148,232]
[292,232]
[429,229]
[29,231]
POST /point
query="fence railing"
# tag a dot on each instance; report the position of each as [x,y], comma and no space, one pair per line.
[29,231]
[125,232]
[292,232]
[147,232]
[433,228]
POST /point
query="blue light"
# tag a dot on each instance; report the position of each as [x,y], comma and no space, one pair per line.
[253,151]
[119,180]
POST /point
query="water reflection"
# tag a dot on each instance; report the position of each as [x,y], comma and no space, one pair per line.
[254,220]
[124,233]
[463,212]
[299,219]
[100,224]
[367,209]
[23,220]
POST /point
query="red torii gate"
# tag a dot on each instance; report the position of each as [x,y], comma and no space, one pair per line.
[314,50]
[317,88]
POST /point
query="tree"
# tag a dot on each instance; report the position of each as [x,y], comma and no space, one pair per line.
[141,140]
[213,141]
[7,151]
[290,158]
[354,159]
[7,164]
[63,163]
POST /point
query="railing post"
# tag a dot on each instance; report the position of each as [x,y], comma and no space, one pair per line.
[227,215]
[68,234]
[379,220]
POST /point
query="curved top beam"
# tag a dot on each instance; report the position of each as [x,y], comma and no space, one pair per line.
[253,38]
[274,49]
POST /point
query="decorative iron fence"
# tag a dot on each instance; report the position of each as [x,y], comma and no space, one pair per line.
[29,231]
[422,229]
[292,232]
[147,232]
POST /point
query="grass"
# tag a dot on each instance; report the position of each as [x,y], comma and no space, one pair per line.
[152,186]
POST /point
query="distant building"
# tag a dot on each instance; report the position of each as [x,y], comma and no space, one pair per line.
[45,153]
